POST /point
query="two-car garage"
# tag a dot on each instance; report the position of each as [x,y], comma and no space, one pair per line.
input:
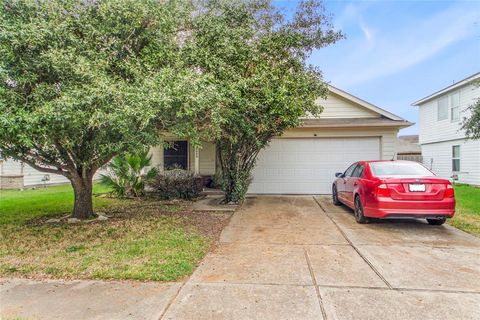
[308,165]
[304,160]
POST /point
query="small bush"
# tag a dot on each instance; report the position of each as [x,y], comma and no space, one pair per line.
[216,182]
[126,177]
[177,184]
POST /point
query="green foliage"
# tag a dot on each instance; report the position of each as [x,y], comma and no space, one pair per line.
[258,59]
[471,125]
[177,184]
[467,210]
[83,81]
[127,177]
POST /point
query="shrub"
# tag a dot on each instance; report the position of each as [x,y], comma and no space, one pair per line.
[126,178]
[177,184]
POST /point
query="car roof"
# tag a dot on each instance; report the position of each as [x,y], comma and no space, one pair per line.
[394,161]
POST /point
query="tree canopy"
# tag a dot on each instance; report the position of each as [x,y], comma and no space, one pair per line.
[258,59]
[83,81]
[471,124]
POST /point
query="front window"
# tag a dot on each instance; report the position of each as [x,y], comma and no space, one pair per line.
[175,155]
[393,168]
[455,158]
[442,108]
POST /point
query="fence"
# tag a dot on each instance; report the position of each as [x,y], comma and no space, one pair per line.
[410,157]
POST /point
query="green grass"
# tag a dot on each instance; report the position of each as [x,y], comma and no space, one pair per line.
[20,206]
[143,239]
[467,216]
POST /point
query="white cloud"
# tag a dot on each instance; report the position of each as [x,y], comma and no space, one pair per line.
[375,52]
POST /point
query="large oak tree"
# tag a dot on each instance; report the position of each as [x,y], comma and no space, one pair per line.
[258,55]
[82,81]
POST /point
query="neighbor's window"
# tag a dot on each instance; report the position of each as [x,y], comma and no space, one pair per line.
[455,158]
[399,168]
[442,108]
[455,103]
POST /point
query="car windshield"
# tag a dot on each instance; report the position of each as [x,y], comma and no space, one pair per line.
[385,169]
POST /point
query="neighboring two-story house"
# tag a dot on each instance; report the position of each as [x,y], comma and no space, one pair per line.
[445,148]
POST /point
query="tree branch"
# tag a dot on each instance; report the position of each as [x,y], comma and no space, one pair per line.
[48,170]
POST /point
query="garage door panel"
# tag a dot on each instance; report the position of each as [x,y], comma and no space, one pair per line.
[307,166]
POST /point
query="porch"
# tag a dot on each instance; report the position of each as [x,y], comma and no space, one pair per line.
[180,153]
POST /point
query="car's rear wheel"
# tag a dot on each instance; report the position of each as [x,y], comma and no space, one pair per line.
[436,222]
[335,196]
[359,213]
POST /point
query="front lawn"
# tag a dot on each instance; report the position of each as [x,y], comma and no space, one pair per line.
[467,216]
[143,240]
[19,206]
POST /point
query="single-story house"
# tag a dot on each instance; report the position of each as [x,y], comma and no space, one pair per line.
[408,148]
[304,159]
[445,147]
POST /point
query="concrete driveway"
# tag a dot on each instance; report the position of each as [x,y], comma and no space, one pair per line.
[300,257]
[289,257]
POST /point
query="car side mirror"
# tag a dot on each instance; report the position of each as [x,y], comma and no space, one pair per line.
[339,175]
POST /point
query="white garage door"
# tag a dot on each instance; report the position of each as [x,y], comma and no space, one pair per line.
[308,166]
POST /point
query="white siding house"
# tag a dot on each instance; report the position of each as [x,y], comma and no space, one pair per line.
[445,148]
[16,175]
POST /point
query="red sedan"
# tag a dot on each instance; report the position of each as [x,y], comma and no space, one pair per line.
[393,189]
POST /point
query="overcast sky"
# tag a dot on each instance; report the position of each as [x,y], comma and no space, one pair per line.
[397,52]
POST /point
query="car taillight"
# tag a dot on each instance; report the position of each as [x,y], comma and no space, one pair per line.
[449,193]
[382,191]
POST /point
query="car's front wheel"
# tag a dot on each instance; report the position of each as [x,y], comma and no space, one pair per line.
[359,214]
[335,196]
[437,222]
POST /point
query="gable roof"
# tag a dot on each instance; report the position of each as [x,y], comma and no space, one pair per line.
[364,104]
[454,86]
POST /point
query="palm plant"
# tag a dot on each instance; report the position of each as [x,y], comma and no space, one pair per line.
[127,177]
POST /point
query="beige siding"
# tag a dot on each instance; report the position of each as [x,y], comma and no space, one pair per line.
[157,156]
[388,136]
[338,107]
[206,157]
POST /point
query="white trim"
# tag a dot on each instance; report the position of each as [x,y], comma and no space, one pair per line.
[448,89]
[364,103]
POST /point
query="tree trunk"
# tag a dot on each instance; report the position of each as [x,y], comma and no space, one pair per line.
[236,171]
[82,189]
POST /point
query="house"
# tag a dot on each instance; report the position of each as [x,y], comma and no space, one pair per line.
[304,159]
[16,175]
[408,148]
[445,148]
